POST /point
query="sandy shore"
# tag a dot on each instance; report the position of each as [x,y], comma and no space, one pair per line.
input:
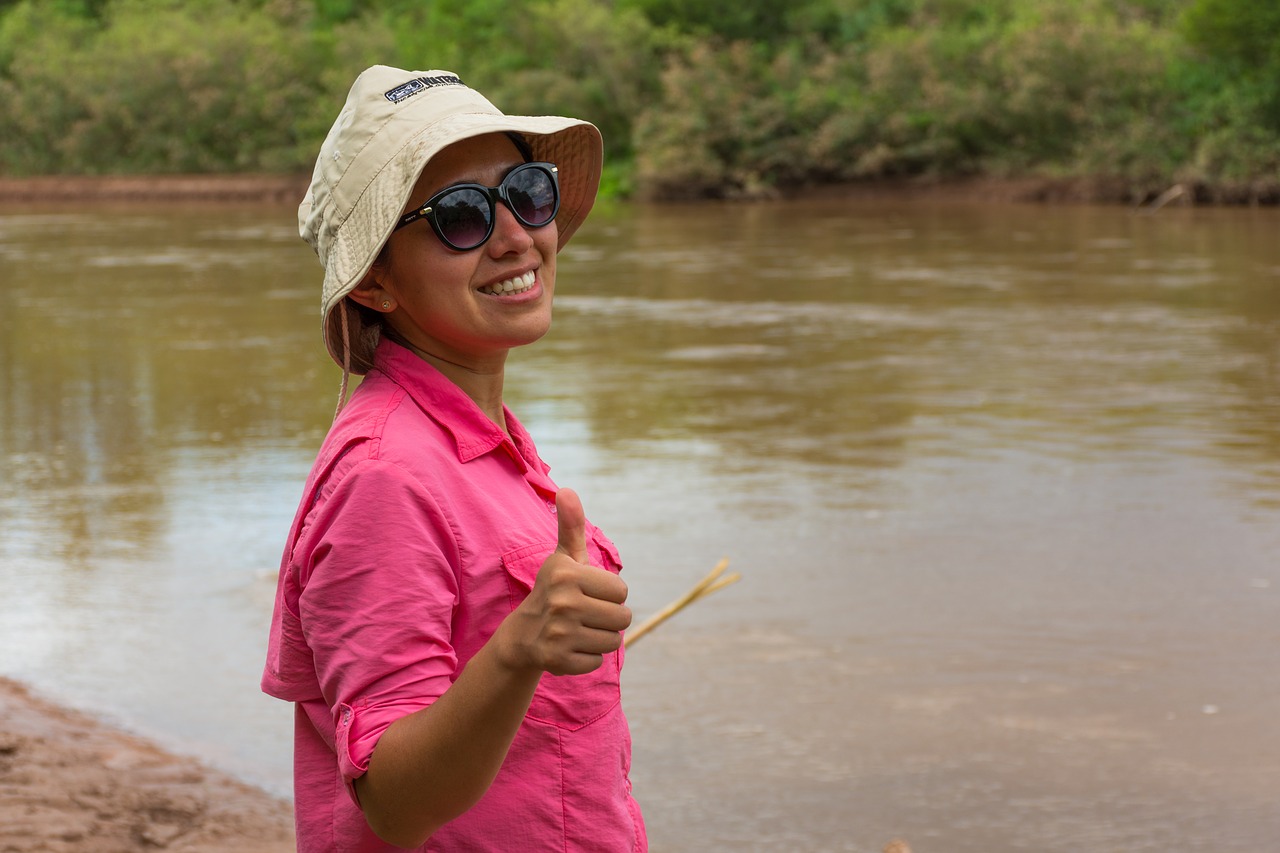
[69,783]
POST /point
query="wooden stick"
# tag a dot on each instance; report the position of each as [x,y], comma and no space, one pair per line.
[731,578]
[702,588]
[1174,192]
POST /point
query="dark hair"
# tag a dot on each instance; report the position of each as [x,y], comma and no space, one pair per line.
[522,145]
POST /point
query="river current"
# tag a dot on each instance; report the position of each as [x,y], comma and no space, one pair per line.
[1002,481]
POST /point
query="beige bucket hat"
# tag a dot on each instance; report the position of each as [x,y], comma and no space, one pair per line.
[393,122]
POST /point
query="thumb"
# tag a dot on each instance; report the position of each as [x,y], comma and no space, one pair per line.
[572,522]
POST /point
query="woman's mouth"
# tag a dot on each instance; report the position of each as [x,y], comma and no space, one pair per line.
[519,284]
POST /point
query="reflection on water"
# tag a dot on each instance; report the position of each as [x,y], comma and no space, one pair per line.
[1004,483]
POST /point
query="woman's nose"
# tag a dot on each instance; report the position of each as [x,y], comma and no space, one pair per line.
[509,235]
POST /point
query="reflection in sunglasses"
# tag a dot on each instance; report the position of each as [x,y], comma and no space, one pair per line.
[462,215]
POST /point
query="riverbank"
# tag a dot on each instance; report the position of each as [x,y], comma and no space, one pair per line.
[280,189]
[71,189]
[71,783]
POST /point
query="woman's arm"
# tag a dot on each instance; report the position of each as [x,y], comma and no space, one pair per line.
[432,765]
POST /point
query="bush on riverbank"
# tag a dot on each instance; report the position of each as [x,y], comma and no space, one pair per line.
[697,98]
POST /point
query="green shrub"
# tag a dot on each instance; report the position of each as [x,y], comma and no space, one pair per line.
[1018,87]
[162,87]
[583,59]
[722,125]
[695,98]
[1230,85]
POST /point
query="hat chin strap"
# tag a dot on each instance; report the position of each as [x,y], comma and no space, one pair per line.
[346,358]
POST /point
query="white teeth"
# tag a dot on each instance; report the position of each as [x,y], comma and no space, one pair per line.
[519,284]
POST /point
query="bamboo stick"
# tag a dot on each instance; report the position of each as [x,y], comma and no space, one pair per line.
[709,584]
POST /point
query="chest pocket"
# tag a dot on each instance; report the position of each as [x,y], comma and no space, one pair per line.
[568,701]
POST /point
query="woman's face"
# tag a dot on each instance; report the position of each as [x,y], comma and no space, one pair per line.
[453,305]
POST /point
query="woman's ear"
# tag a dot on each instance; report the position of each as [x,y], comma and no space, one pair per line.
[371,294]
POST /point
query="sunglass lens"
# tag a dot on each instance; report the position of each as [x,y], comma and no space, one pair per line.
[463,218]
[532,194]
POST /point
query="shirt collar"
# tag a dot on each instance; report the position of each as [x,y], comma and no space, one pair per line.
[449,406]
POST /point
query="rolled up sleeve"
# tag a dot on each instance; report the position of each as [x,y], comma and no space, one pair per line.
[379,591]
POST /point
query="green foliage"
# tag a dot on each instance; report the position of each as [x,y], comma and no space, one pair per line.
[852,21]
[581,59]
[335,11]
[737,120]
[696,98]
[1019,86]
[755,20]
[1231,89]
[1083,91]
[1245,33]
[159,87]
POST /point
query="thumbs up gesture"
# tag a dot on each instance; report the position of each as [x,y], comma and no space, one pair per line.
[575,613]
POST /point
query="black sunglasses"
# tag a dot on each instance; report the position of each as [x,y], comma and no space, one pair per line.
[462,215]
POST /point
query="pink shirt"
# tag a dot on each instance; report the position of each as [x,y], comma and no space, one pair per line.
[422,525]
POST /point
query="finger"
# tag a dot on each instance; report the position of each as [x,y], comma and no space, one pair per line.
[605,586]
[606,616]
[572,522]
[596,642]
[577,664]
[588,653]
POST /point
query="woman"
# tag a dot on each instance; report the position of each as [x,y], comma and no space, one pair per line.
[447,622]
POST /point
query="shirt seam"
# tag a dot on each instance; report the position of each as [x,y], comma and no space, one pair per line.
[564,795]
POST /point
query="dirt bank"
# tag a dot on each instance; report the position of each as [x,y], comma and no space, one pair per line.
[69,783]
[63,189]
[70,189]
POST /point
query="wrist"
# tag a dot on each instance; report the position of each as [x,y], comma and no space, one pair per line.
[509,651]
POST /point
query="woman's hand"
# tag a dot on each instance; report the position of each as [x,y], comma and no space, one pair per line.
[575,613]
[434,764]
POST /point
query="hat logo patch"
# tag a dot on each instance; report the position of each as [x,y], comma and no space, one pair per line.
[420,84]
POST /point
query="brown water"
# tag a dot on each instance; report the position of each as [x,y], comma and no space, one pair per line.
[1003,483]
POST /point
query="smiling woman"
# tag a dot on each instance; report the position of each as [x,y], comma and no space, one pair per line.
[462,310]
[447,622]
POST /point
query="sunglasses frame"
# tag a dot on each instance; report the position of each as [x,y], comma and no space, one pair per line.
[494,195]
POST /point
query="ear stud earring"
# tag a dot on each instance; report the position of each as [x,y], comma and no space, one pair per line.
[386,305]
